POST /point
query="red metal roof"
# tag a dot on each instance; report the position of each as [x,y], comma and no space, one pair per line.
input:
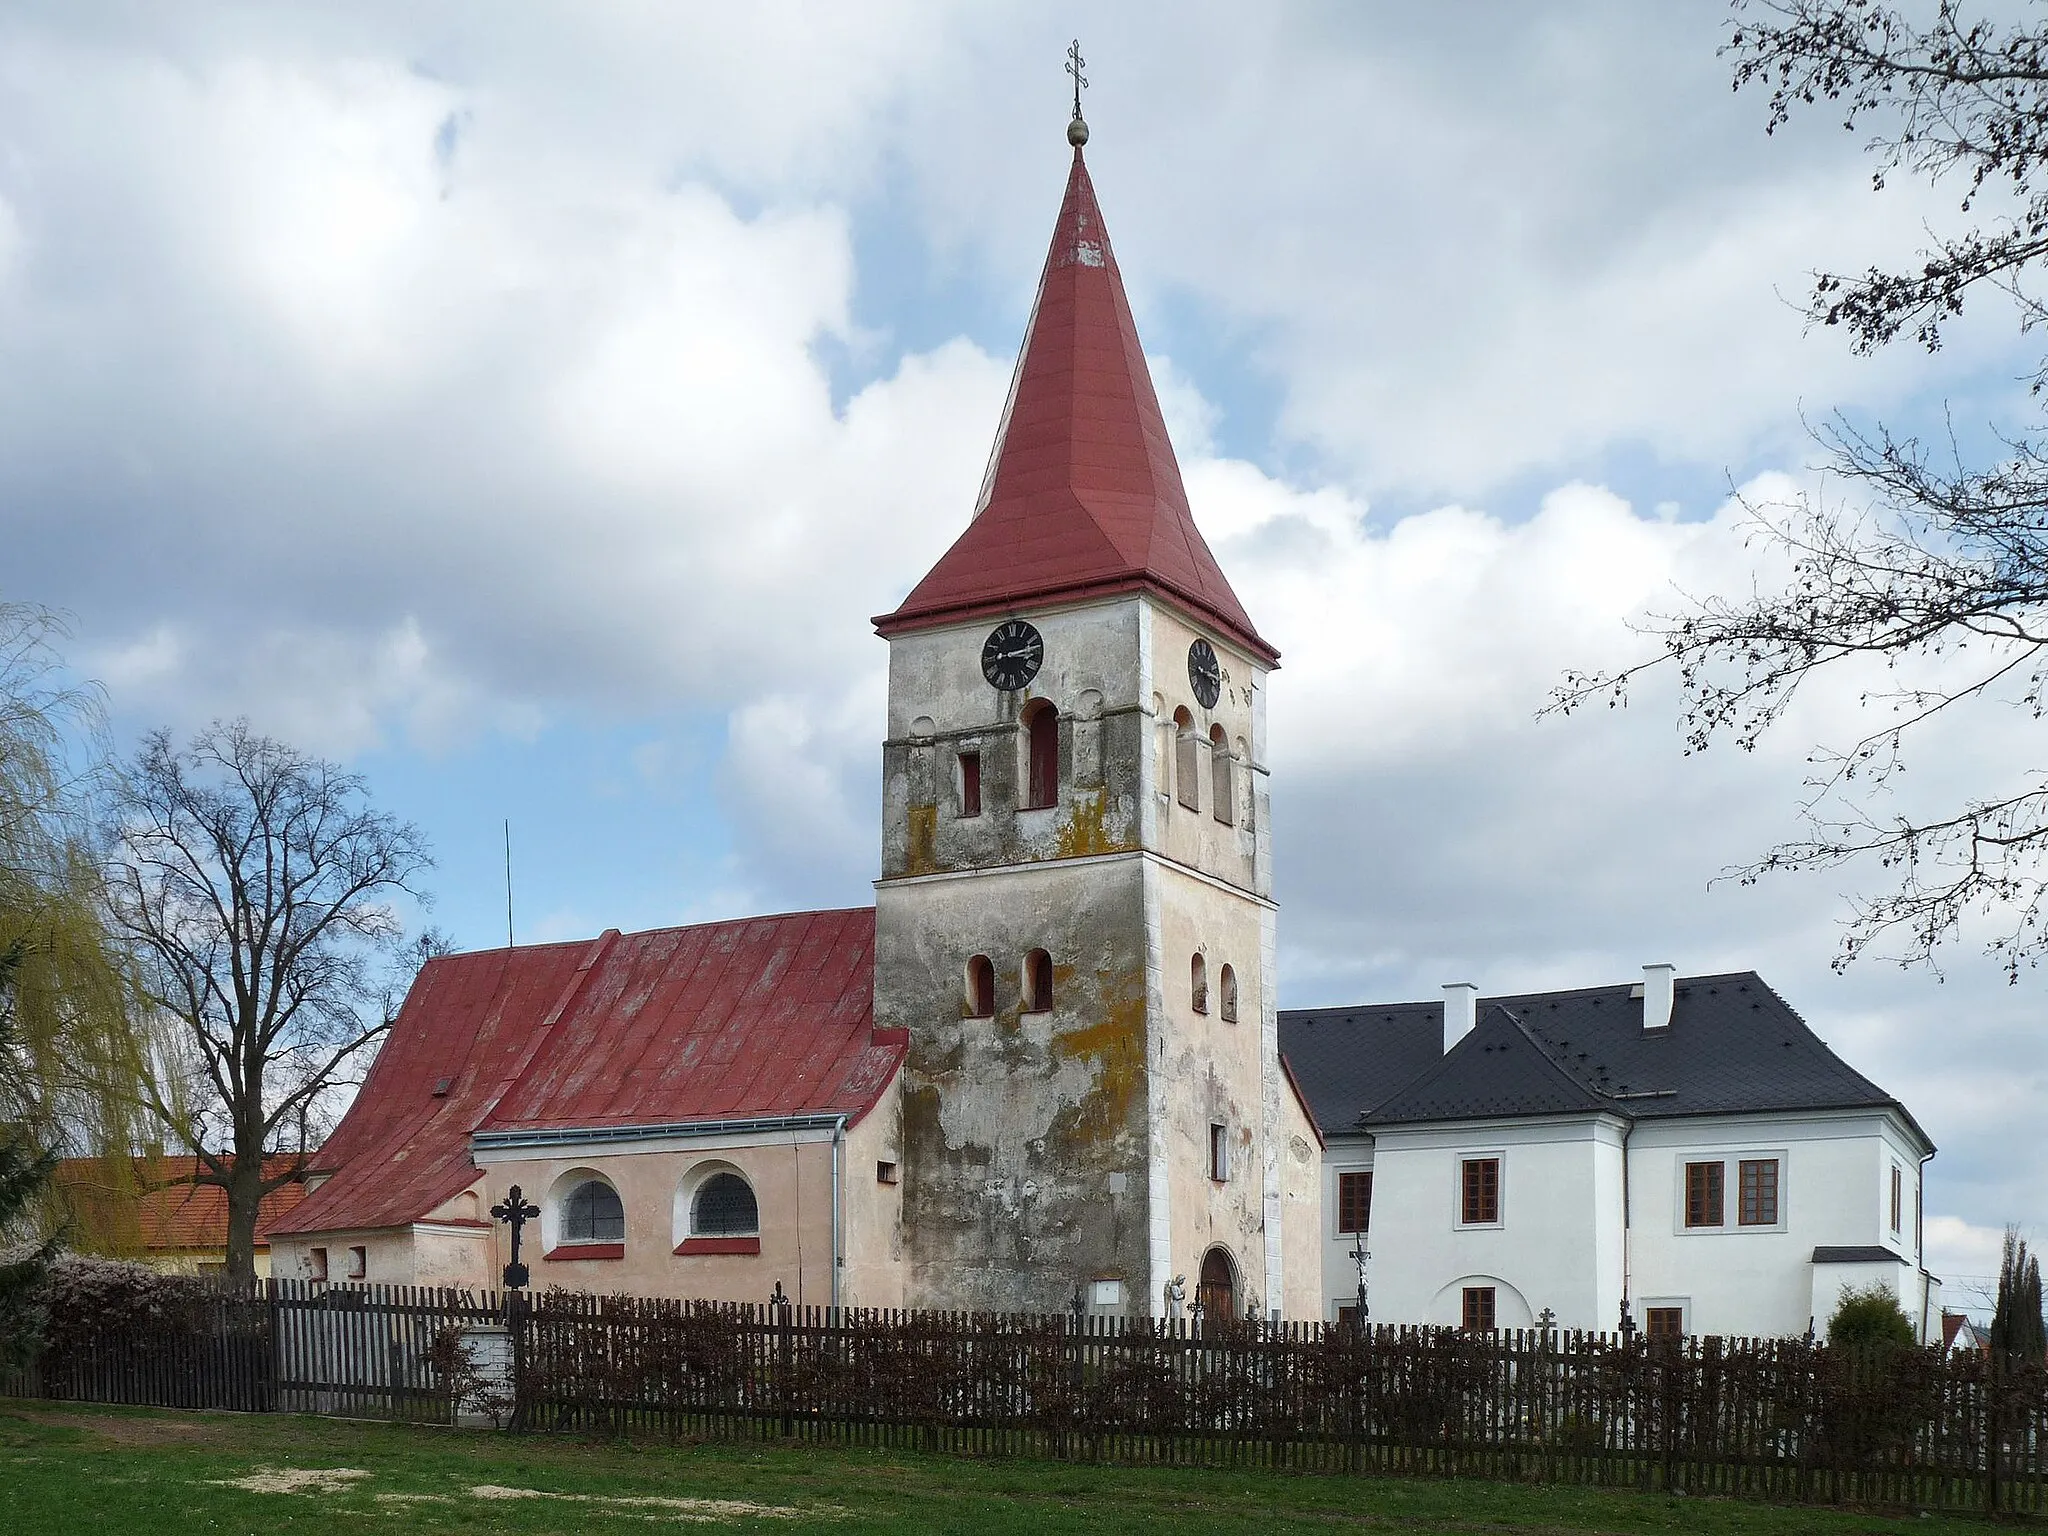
[1083,496]
[757,1016]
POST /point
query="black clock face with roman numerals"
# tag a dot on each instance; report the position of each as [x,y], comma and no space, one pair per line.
[1204,675]
[1011,655]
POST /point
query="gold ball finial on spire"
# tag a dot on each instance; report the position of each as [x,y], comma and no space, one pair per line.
[1077,129]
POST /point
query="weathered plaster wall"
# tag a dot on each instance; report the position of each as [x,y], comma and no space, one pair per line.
[389,1256]
[1023,1134]
[1049,1149]
[1301,1209]
[872,1274]
[1211,1073]
[941,706]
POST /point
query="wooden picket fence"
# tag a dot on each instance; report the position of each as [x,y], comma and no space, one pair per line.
[1784,1419]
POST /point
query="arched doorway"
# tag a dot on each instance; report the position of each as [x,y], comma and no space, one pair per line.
[1218,1289]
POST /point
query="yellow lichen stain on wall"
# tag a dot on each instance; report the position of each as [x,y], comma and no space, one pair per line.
[1115,1047]
[923,855]
[1084,831]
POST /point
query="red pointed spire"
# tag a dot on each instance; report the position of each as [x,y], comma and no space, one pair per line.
[1083,497]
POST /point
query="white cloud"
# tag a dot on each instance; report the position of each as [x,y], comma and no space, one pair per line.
[401,379]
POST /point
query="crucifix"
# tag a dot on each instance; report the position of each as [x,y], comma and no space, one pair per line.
[516,1210]
[1361,1256]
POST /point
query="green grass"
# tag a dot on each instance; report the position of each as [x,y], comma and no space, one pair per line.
[68,1468]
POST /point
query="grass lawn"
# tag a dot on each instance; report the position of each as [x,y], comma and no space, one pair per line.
[68,1468]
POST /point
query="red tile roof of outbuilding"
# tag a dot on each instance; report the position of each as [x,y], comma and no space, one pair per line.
[173,1213]
[757,1016]
[1083,495]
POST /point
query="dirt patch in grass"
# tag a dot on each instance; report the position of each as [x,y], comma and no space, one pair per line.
[132,1431]
[682,1509]
[294,1480]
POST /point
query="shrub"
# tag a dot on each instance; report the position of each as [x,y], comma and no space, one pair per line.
[84,1298]
[1870,1318]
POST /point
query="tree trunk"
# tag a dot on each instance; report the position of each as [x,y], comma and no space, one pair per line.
[245,1195]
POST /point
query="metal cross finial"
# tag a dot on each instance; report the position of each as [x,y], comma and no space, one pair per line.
[1077,130]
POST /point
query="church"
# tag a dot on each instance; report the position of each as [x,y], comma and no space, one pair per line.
[1045,1070]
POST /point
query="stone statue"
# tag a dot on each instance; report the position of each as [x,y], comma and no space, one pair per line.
[1176,1294]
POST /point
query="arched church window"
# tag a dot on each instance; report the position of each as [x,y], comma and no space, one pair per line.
[1042,750]
[1037,982]
[593,1213]
[1198,983]
[1187,760]
[1223,792]
[1226,998]
[725,1207]
[981,988]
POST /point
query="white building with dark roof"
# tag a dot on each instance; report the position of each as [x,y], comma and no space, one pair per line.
[1683,1152]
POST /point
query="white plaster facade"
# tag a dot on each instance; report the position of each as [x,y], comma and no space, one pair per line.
[1561,1242]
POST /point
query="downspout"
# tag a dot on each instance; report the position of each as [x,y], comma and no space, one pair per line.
[838,1225]
[1920,1236]
[1628,1327]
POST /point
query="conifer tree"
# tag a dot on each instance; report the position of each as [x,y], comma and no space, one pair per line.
[2017,1331]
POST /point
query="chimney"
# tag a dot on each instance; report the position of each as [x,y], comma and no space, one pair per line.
[1657,984]
[1461,1012]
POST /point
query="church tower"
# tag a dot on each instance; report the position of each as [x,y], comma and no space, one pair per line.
[1075,923]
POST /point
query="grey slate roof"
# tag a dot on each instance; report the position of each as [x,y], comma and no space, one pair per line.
[1733,1046]
[1349,1059]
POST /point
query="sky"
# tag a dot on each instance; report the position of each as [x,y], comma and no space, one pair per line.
[528,407]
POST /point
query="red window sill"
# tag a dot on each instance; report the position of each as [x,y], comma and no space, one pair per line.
[585,1251]
[696,1245]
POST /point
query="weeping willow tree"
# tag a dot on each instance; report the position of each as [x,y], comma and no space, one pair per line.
[73,1056]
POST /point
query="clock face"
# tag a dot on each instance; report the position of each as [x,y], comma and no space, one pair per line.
[1011,656]
[1204,675]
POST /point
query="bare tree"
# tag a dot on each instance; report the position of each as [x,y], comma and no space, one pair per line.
[258,888]
[1929,566]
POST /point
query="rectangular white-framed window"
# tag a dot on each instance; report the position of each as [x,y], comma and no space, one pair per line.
[1478,1309]
[1667,1317]
[1354,1202]
[1705,1199]
[1480,1198]
[1898,1200]
[1742,1190]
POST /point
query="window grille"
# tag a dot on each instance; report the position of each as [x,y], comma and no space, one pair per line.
[593,1214]
[725,1208]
